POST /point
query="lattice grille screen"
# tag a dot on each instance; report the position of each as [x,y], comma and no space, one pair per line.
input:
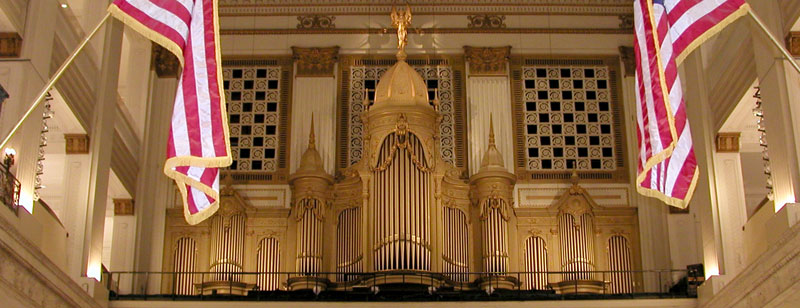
[438,78]
[254,101]
[568,117]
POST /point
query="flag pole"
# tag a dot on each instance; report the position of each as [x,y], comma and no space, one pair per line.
[774,40]
[53,80]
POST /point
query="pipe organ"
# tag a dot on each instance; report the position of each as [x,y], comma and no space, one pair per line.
[402,213]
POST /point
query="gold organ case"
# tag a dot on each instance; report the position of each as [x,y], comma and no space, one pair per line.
[403,215]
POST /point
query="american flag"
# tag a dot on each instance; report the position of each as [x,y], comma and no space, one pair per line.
[665,31]
[198,142]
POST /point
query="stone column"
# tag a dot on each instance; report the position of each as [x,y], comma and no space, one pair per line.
[154,190]
[652,213]
[489,91]
[122,244]
[781,97]
[102,134]
[731,201]
[704,205]
[314,92]
[76,184]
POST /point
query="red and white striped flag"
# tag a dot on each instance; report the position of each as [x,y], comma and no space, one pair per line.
[665,32]
[198,141]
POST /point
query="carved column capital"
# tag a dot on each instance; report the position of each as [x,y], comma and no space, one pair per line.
[77,143]
[165,63]
[487,61]
[315,62]
[628,60]
[728,142]
[10,45]
[793,43]
[123,207]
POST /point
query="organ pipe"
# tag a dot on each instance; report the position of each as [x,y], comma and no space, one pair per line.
[536,263]
[227,246]
[577,246]
[348,248]
[495,237]
[309,236]
[401,186]
[268,263]
[620,263]
[183,263]
[455,251]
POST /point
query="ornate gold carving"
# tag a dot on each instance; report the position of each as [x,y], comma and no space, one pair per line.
[165,63]
[401,19]
[315,62]
[123,207]
[793,43]
[628,60]
[486,21]
[728,142]
[488,61]
[77,143]
[10,45]
[316,22]
[626,22]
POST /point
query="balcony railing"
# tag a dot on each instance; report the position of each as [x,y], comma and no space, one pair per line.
[9,189]
[385,286]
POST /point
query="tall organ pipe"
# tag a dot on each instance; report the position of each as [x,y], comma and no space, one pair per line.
[309,230]
[401,200]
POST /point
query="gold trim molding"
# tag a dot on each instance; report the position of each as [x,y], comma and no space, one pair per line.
[76,143]
[728,142]
[10,45]
[449,7]
[487,61]
[315,62]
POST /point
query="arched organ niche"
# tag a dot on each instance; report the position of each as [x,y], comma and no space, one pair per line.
[492,193]
[311,187]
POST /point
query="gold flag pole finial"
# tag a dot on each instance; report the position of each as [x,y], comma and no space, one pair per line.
[401,19]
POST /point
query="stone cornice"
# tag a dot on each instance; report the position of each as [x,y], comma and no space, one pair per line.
[414,31]
[441,7]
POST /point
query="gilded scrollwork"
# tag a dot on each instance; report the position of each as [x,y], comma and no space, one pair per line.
[486,21]
[315,62]
[316,22]
[492,61]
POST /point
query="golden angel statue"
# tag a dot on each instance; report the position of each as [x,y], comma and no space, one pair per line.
[401,19]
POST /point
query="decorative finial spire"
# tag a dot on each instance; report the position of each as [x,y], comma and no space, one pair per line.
[436,101]
[574,178]
[491,131]
[401,20]
[312,142]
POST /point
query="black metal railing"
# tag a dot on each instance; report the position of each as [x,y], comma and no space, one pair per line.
[392,286]
[9,189]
